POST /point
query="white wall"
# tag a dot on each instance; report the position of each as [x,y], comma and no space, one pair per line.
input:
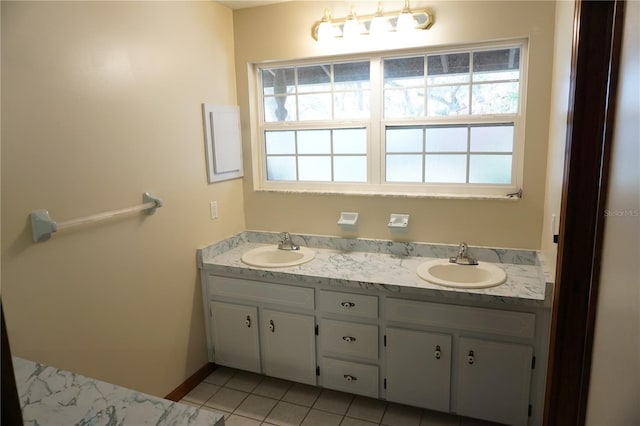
[101,101]
[614,391]
[558,115]
[283,31]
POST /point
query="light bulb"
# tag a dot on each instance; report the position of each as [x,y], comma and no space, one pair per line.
[379,24]
[325,30]
[406,22]
[351,26]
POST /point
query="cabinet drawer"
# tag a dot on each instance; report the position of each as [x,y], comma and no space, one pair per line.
[349,304]
[506,323]
[345,338]
[279,294]
[352,377]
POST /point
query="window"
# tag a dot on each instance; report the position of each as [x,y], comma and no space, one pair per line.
[424,122]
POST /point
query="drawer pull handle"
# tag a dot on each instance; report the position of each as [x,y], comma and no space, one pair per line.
[438,352]
[350,378]
[272,326]
[470,358]
[348,339]
[247,321]
[348,305]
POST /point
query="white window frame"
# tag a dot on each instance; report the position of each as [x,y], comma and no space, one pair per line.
[375,127]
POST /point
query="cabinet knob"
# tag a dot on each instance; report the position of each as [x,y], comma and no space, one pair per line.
[470,358]
[348,305]
[348,339]
[247,321]
[272,326]
[350,378]
[438,352]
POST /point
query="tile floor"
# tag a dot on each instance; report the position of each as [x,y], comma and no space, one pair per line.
[248,399]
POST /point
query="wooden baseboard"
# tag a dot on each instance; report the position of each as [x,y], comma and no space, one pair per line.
[184,388]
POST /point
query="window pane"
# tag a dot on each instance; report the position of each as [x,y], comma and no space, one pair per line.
[446,139]
[403,103]
[492,138]
[278,81]
[448,100]
[492,64]
[496,75]
[404,168]
[404,140]
[281,168]
[350,169]
[316,168]
[350,141]
[404,72]
[351,105]
[280,142]
[316,78]
[495,98]
[490,169]
[314,142]
[446,168]
[448,69]
[351,76]
[280,108]
[316,106]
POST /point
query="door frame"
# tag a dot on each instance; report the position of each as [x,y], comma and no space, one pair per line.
[595,58]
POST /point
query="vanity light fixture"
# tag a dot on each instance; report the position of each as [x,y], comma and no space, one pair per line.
[406,22]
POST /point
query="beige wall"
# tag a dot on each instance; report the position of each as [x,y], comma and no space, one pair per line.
[101,101]
[557,127]
[614,390]
[283,31]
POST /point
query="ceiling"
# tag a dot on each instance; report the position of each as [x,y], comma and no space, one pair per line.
[242,4]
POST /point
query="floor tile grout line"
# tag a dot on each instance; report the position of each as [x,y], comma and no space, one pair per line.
[290,384]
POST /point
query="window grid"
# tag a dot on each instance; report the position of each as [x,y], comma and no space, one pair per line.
[332,155]
[425,152]
[376,139]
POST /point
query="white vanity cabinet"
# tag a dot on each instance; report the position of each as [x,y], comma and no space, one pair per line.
[418,369]
[486,378]
[493,380]
[288,346]
[234,334]
[349,342]
[469,359]
[262,327]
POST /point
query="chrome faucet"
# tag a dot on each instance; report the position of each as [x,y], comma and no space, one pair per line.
[463,258]
[286,243]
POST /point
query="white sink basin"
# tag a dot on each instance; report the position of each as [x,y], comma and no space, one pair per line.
[442,272]
[273,257]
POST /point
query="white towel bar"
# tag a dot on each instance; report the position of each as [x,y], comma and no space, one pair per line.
[43,226]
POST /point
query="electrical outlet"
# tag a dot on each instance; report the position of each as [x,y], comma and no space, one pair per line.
[213,209]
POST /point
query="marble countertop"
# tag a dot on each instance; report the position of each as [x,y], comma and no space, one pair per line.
[382,265]
[54,397]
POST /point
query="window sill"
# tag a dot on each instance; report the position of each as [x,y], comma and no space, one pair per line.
[486,197]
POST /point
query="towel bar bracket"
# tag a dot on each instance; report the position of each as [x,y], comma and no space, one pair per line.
[148,198]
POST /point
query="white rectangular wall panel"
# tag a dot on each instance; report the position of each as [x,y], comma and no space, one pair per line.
[223,141]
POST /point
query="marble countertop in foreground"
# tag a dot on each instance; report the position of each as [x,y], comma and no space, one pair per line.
[383,265]
[53,397]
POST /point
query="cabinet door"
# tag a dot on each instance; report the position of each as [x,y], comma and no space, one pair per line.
[289,346]
[493,381]
[234,330]
[418,368]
